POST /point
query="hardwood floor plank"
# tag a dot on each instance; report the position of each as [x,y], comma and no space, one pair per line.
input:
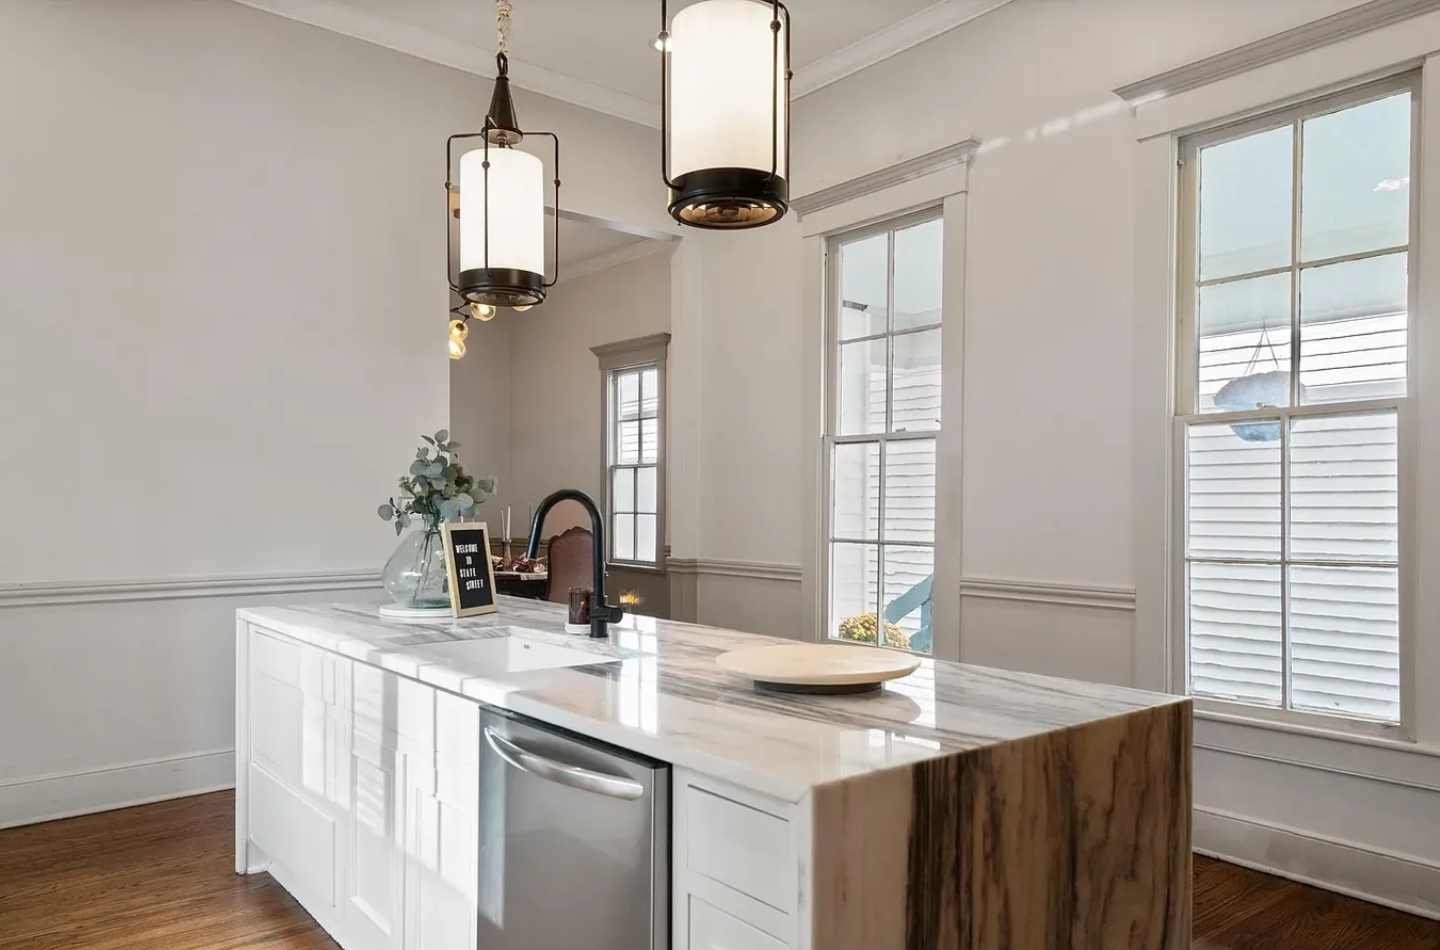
[161,877]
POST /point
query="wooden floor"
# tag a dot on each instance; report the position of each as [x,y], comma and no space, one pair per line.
[161,877]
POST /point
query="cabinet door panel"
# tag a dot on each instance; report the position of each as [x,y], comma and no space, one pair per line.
[298,838]
[442,876]
[375,879]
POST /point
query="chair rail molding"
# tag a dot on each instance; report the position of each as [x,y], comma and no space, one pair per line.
[56,593]
[1040,592]
[757,570]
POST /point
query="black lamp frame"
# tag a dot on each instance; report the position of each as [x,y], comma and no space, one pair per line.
[736,187]
[498,286]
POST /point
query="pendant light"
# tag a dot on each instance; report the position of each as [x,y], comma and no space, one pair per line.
[500,203]
[725,112]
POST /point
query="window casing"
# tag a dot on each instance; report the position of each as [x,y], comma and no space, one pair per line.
[633,398]
[1293,398]
[883,420]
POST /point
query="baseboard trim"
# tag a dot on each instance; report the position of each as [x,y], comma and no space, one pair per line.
[1402,881]
[756,570]
[1034,592]
[65,795]
[61,593]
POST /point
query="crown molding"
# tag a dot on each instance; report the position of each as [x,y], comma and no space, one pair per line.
[755,570]
[614,258]
[915,29]
[336,17]
[1308,36]
[918,167]
[412,40]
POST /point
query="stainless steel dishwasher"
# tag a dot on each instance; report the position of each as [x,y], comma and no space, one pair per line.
[574,842]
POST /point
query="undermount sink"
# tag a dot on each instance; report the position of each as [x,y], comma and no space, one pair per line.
[513,653]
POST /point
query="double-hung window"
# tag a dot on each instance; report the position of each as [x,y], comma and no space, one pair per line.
[1293,403]
[883,419]
[633,390]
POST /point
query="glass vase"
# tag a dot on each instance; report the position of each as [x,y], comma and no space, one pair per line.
[414,576]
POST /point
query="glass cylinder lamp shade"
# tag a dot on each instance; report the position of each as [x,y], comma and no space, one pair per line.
[509,269]
[728,123]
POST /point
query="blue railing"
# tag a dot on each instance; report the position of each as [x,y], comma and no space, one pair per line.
[917,596]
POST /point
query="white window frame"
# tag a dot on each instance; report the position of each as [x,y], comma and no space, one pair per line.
[617,358]
[834,304]
[1184,415]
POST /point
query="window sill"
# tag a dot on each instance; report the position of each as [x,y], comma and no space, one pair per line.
[657,569]
[1317,725]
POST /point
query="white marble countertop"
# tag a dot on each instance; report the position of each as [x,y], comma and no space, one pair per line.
[667,699]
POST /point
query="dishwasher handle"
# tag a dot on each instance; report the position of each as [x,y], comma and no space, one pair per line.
[586,780]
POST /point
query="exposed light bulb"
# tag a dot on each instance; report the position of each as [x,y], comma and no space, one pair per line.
[457,348]
[459,329]
[482,311]
[522,308]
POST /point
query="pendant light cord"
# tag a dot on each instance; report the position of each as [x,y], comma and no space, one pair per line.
[502,27]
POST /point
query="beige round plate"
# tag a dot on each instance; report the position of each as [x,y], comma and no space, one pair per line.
[818,667]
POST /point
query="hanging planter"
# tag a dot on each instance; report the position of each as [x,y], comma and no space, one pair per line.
[1256,391]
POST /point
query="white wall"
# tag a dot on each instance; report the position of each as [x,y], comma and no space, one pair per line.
[1048,471]
[222,317]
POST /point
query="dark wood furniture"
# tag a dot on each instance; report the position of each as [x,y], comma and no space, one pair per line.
[569,563]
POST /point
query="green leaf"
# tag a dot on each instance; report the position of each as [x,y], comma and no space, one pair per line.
[464,501]
[428,439]
[442,435]
[435,469]
[418,467]
[454,446]
[438,484]
[386,512]
[421,453]
[398,529]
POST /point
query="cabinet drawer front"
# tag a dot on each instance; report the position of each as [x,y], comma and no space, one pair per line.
[741,847]
[713,929]
[315,672]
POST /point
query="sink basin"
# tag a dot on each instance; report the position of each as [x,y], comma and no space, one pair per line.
[509,654]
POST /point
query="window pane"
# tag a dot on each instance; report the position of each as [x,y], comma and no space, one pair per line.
[1344,487]
[861,389]
[1246,196]
[645,538]
[1235,638]
[855,491]
[917,381]
[1233,480]
[919,270]
[624,489]
[1345,641]
[1352,329]
[854,591]
[910,491]
[1355,184]
[645,492]
[909,576]
[628,386]
[650,440]
[1244,336]
[624,544]
[650,392]
[863,286]
[628,451]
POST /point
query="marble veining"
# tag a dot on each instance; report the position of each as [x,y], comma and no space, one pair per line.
[665,697]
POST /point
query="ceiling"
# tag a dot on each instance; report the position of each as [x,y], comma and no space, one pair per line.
[583,242]
[596,53]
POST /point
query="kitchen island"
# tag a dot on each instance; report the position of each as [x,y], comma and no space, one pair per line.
[961,807]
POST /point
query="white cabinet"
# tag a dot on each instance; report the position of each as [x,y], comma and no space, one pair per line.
[734,871]
[359,789]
